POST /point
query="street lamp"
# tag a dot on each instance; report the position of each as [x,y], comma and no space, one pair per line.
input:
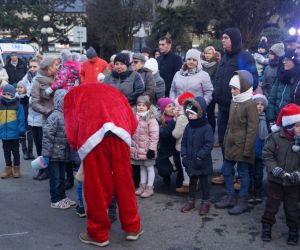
[46,31]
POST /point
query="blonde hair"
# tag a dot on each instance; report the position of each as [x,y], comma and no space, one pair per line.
[210,48]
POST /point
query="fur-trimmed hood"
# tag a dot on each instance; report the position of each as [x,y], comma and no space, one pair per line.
[199,103]
[151,113]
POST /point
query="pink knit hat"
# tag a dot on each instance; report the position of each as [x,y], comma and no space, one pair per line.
[163,103]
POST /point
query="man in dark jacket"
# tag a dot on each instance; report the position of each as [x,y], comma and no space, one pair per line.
[234,59]
[168,62]
[16,69]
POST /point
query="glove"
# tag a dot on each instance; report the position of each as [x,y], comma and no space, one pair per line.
[150,154]
[46,160]
[48,91]
[271,123]
[278,172]
[294,177]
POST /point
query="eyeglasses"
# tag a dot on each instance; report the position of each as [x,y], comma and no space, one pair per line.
[136,62]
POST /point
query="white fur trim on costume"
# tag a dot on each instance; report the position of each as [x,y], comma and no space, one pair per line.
[97,137]
[289,120]
[275,128]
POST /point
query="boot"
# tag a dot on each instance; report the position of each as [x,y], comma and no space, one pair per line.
[266,232]
[204,209]
[7,172]
[293,236]
[31,156]
[148,192]
[44,175]
[183,189]
[17,173]
[188,206]
[141,189]
[227,201]
[240,207]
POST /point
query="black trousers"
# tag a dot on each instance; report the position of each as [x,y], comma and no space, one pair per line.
[37,134]
[211,117]
[27,142]
[11,147]
[204,185]
[289,195]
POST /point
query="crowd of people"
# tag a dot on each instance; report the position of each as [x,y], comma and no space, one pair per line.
[115,122]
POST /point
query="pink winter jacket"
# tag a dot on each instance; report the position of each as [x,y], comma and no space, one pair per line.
[67,77]
[146,136]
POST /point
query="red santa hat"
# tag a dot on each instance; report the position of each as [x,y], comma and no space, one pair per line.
[289,115]
[184,96]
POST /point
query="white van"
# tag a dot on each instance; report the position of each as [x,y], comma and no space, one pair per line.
[25,51]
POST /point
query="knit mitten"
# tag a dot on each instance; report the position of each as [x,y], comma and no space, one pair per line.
[48,91]
[294,177]
[278,172]
[150,154]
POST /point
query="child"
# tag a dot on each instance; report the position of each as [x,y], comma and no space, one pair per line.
[281,156]
[239,141]
[197,144]
[12,127]
[261,57]
[144,145]
[24,100]
[256,170]
[166,148]
[181,122]
[54,148]
[68,75]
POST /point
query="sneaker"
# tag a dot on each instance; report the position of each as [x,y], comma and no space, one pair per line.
[80,211]
[293,237]
[218,180]
[134,235]
[60,205]
[182,189]
[85,238]
[252,198]
[258,199]
[140,190]
[69,202]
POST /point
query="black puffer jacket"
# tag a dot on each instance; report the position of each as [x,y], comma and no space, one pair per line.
[295,91]
[55,142]
[197,142]
[237,59]
[16,73]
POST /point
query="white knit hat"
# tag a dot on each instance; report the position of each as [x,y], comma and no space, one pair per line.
[152,65]
[195,54]
[289,115]
[235,81]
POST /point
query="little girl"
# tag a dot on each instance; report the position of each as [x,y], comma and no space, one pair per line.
[144,145]
[196,146]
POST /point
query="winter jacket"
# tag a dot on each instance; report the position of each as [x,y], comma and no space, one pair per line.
[12,120]
[27,80]
[16,73]
[90,70]
[24,101]
[149,82]
[198,83]
[54,143]
[279,97]
[3,75]
[241,130]
[261,61]
[269,77]
[67,77]
[178,131]
[168,65]
[34,119]
[146,136]
[130,84]
[211,69]
[197,144]
[295,91]
[166,141]
[41,102]
[160,87]
[278,152]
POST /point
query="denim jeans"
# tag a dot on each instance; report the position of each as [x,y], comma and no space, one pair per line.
[256,177]
[79,194]
[57,180]
[243,172]
[222,122]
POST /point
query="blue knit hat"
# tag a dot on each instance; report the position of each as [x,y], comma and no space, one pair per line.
[8,88]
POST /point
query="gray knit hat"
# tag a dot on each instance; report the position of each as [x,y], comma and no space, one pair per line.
[261,98]
[66,55]
[47,62]
[278,49]
[91,53]
[139,56]
[144,99]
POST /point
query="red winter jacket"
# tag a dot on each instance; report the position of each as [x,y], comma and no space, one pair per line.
[91,69]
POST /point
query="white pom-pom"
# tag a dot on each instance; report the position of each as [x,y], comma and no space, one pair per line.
[275,128]
[100,77]
[264,38]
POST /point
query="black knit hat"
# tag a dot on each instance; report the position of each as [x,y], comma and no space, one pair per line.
[291,55]
[123,58]
[191,108]
[263,44]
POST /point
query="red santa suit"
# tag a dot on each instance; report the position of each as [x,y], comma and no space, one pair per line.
[99,125]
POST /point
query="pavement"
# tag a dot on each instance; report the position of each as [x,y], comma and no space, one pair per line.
[28,222]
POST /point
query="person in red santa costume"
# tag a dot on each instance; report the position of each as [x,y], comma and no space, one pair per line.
[99,126]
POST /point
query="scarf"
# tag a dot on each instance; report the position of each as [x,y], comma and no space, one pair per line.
[262,128]
[245,96]
[197,123]
[142,114]
[184,71]
[207,64]
[122,75]
[30,75]
[44,78]
[287,75]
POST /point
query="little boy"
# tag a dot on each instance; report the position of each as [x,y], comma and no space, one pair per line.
[12,127]
[281,156]
[256,170]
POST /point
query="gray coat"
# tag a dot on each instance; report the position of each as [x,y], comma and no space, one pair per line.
[270,74]
[149,82]
[55,142]
[160,88]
